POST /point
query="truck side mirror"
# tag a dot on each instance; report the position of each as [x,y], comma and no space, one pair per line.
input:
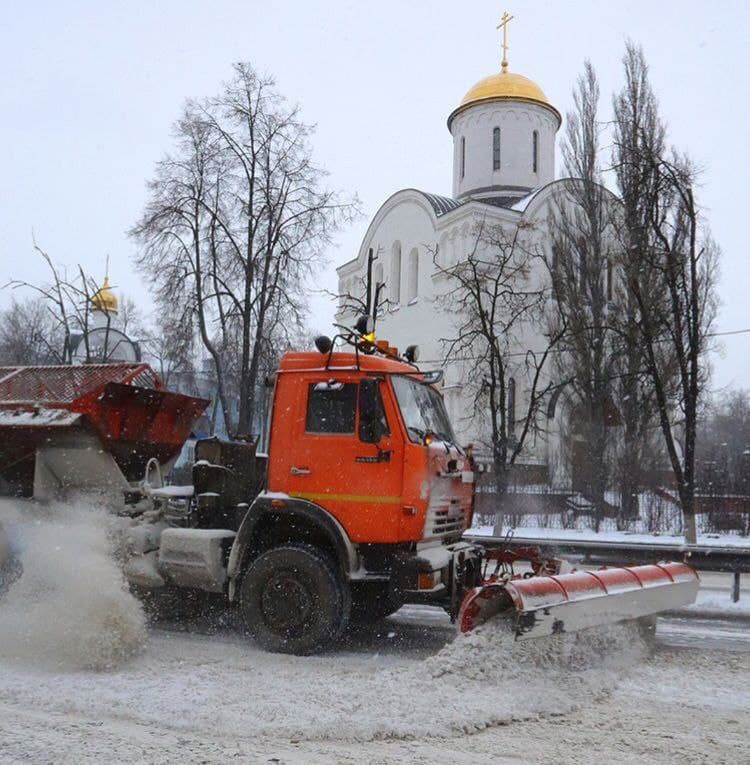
[371,418]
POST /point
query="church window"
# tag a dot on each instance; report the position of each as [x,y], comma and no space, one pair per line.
[511,424]
[395,292]
[463,156]
[610,279]
[496,149]
[535,151]
[413,274]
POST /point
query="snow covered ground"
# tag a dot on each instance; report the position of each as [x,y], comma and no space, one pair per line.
[83,680]
[583,535]
[397,693]
[715,596]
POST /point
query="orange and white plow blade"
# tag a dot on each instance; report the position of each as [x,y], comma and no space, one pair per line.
[548,605]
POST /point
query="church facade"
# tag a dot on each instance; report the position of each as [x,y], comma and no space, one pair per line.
[504,133]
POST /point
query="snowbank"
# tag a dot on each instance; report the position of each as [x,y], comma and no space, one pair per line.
[711,601]
[586,535]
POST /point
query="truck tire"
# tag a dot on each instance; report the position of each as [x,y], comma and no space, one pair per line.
[373,601]
[293,600]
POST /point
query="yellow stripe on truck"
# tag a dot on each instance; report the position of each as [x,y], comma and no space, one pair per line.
[347,497]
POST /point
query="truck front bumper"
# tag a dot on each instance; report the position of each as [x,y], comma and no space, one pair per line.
[442,574]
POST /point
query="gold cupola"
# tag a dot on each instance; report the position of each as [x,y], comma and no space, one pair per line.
[104,299]
[504,86]
[503,132]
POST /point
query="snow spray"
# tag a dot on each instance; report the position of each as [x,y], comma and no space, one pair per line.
[70,609]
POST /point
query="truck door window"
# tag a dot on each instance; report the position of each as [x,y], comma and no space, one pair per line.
[331,407]
[373,425]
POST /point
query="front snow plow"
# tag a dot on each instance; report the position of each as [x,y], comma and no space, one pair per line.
[545,604]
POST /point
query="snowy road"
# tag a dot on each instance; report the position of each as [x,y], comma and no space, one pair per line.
[398,693]
[403,692]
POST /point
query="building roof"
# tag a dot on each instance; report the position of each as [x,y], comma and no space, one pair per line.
[441,205]
[504,86]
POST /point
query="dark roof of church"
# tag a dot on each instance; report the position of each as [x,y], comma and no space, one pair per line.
[507,202]
[441,205]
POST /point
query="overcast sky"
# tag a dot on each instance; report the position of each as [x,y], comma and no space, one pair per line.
[89,91]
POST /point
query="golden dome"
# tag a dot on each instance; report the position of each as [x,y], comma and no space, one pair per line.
[104,299]
[504,86]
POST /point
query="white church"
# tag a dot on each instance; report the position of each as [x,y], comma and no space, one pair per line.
[504,133]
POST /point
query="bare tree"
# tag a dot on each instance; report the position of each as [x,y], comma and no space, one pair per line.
[723,445]
[367,298]
[685,261]
[671,267]
[493,295]
[638,131]
[170,347]
[68,302]
[130,320]
[581,265]
[235,226]
[29,334]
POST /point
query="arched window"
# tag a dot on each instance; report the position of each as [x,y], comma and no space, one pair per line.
[496,149]
[535,151]
[395,291]
[511,424]
[463,156]
[610,280]
[413,274]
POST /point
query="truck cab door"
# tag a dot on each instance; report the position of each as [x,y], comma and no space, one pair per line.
[345,458]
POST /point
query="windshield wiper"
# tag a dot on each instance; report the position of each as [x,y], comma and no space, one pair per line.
[419,433]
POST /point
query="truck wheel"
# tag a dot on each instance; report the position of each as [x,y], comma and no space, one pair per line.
[293,600]
[372,602]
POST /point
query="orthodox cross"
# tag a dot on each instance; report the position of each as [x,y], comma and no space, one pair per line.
[504,19]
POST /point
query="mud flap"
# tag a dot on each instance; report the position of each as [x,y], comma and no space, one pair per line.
[549,605]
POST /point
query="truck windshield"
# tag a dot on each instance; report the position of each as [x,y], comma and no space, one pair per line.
[422,409]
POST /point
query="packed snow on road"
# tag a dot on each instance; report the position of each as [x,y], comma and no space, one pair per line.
[84,678]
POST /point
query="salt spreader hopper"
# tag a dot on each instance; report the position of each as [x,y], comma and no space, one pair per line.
[88,426]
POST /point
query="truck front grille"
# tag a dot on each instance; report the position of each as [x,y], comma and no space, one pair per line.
[444,520]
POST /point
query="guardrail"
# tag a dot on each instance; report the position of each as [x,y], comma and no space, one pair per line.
[733,560]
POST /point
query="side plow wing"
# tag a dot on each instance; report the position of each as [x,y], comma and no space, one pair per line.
[549,605]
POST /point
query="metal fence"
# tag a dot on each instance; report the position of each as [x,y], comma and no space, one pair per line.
[657,510]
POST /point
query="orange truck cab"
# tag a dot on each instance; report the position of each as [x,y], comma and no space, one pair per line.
[366,488]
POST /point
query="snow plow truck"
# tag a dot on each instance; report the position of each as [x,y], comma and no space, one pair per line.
[356,505]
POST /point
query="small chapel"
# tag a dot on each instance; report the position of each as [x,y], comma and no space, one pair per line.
[504,133]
